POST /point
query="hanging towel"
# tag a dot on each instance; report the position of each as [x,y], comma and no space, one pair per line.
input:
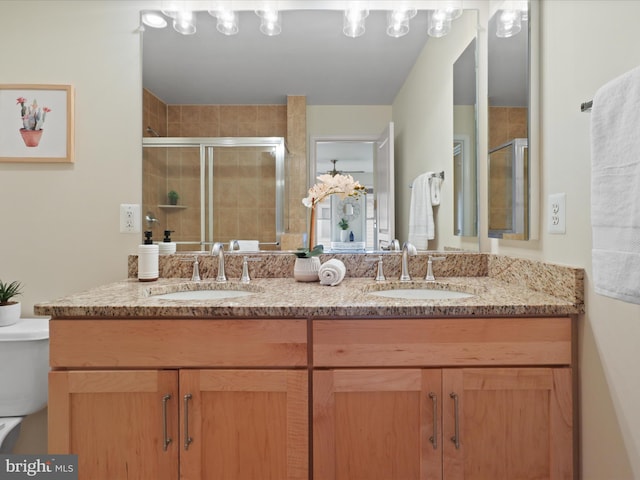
[332,272]
[434,185]
[421,226]
[615,185]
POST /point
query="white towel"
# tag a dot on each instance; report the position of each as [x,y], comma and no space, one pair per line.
[615,183]
[332,272]
[434,186]
[421,226]
[248,245]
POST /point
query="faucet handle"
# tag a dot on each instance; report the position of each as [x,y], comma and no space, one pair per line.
[380,274]
[429,277]
[234,245]
[195,276]
[245,271]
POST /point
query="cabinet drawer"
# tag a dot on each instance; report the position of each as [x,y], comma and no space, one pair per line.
[177,343]
[442,342]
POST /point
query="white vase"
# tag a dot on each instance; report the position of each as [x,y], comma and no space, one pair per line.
[9,314]
[306,269]
[344,235]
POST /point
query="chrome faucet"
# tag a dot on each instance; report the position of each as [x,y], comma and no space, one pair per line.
[218,249]
[390,245]
[407,250]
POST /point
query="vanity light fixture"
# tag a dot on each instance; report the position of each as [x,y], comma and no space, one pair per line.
[227,23]
[153,19]
[353,25]
[270,22]
[398,22]
[439,23]
[509,23]
[185,22]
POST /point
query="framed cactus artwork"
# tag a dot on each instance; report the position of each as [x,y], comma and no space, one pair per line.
[36,123]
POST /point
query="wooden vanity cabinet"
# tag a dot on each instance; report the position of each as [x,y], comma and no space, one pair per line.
[219,417]
[443,399]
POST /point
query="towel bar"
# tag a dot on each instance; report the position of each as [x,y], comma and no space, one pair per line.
[434,175]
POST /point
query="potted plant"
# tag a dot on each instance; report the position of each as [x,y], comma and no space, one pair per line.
[9,309]
[344,226]
[173,197]
[32,121]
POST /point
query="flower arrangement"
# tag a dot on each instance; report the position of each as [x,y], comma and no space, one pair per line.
[342,185]
[32,115]
[343,224]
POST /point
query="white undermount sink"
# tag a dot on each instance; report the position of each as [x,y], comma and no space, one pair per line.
[203,295]
[201,291]
[420,294]
[420,290]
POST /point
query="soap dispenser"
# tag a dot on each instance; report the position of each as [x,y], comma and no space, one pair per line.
[148,259]
[167,247]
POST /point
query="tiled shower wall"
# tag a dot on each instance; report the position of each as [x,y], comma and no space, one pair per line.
[239,206]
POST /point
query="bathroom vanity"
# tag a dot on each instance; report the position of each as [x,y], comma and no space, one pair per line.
[300,381]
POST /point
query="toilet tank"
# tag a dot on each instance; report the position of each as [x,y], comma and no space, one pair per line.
[24,367]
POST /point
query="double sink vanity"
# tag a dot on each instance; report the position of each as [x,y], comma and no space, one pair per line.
[278,379]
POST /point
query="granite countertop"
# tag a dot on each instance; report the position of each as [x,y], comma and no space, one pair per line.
[286,298]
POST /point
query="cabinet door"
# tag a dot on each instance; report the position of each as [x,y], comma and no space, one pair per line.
[376,424]
[508,422]
[115,422]
[244,424]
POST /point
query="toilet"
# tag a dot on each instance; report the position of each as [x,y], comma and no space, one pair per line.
[24,367]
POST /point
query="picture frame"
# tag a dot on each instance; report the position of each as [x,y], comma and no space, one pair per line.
[36,123]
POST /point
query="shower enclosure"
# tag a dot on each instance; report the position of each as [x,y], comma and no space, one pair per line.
[509,190]
[228,188]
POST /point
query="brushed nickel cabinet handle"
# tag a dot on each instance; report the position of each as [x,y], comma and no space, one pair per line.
[166,440]
[187,438]
[456,436]
[434,438]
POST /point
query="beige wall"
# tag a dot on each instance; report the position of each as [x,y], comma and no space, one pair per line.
[579,53]
[60,222]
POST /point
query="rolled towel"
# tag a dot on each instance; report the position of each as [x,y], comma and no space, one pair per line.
[332,272]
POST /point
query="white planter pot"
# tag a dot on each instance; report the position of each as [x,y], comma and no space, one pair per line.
[9,314]
[306,269]
[344,235]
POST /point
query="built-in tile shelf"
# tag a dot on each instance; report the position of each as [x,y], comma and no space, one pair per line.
[172,207]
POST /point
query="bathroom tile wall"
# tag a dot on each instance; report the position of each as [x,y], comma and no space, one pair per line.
[505,124]
[247,203]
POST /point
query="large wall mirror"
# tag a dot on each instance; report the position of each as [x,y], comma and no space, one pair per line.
[511,173]
[465,160]
[237,74]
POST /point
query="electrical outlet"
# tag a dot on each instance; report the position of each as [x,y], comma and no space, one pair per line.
[557,216]
[130,221]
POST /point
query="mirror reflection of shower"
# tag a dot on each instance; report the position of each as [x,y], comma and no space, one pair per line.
[224,188]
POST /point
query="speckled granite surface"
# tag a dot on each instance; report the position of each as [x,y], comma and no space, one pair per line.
[500,286]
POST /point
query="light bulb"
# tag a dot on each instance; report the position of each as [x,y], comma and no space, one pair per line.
[439,24]
[185,23]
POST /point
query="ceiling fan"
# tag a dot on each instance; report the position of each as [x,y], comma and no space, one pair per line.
[335,172]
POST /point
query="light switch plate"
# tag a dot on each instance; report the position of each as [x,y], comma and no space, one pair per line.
[557,215]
